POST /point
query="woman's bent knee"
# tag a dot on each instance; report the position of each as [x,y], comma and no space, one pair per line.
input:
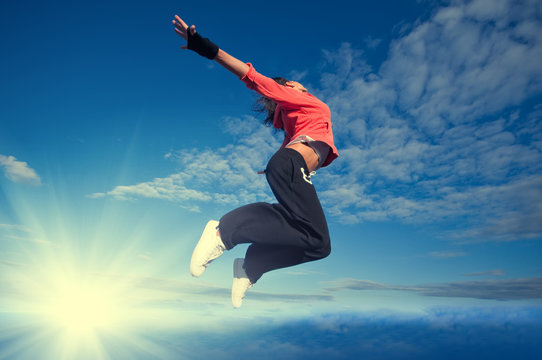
[321,252]
[325,252]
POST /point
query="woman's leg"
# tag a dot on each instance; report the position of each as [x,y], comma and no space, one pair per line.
[284,234]
[260,258]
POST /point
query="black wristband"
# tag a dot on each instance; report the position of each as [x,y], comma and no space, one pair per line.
[202,46]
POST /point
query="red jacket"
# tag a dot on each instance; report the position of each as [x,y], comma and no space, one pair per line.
[297,113]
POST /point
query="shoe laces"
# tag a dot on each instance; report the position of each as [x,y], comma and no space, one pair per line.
[216,252]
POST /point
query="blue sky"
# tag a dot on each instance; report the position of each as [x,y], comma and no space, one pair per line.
[116,147]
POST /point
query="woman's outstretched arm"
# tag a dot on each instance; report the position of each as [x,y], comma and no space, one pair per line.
[232,64]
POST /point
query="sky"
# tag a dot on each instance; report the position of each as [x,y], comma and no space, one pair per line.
[116,148]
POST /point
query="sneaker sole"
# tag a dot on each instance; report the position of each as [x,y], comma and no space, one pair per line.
[195,269]
[239,275]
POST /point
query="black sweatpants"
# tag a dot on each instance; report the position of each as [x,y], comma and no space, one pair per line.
[291,232]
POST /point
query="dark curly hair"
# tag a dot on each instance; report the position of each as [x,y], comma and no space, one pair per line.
[267,106]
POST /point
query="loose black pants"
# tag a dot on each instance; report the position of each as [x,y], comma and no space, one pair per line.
[291,232]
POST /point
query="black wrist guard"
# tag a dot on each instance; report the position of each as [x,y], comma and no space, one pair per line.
[202,46]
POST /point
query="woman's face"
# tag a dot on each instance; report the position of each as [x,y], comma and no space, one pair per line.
[297,86]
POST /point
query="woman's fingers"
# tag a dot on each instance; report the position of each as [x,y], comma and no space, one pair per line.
[181,22]
[181,28]
[181,33]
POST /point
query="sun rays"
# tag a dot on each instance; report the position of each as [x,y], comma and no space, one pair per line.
[83,291]
[80,307]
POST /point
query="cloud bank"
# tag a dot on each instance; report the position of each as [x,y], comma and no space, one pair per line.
[494,333]
[440,333]
[441,130]
[227,176]
[500,289]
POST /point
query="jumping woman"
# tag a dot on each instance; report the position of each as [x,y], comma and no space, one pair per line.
[295,230]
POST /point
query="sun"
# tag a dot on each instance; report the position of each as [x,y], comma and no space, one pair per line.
[64,309]
[82,308]
[68,312]
[79,291]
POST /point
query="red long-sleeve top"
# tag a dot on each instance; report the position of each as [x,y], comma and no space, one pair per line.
[297,113]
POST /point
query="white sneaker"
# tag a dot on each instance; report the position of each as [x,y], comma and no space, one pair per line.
[241,283]
[209,248]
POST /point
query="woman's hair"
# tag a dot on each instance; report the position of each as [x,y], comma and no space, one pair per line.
[267,106]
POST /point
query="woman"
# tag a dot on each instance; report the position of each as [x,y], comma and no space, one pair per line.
[293,231]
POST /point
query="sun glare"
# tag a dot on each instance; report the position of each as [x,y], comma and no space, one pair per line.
[74,314]
[85,294]
[82,308]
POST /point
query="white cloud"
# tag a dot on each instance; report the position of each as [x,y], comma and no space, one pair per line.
[11,264]
[487,273]
[440,132]
[13,232]
[466,62]
[32,240]
[144,257]
[226,176]
[447,254]
[19,171]
[20,228]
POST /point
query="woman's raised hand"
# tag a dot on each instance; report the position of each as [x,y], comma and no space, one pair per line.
[194,41]
[208,49]
[181,28]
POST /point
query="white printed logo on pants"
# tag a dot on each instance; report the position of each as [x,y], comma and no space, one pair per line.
[306,177]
